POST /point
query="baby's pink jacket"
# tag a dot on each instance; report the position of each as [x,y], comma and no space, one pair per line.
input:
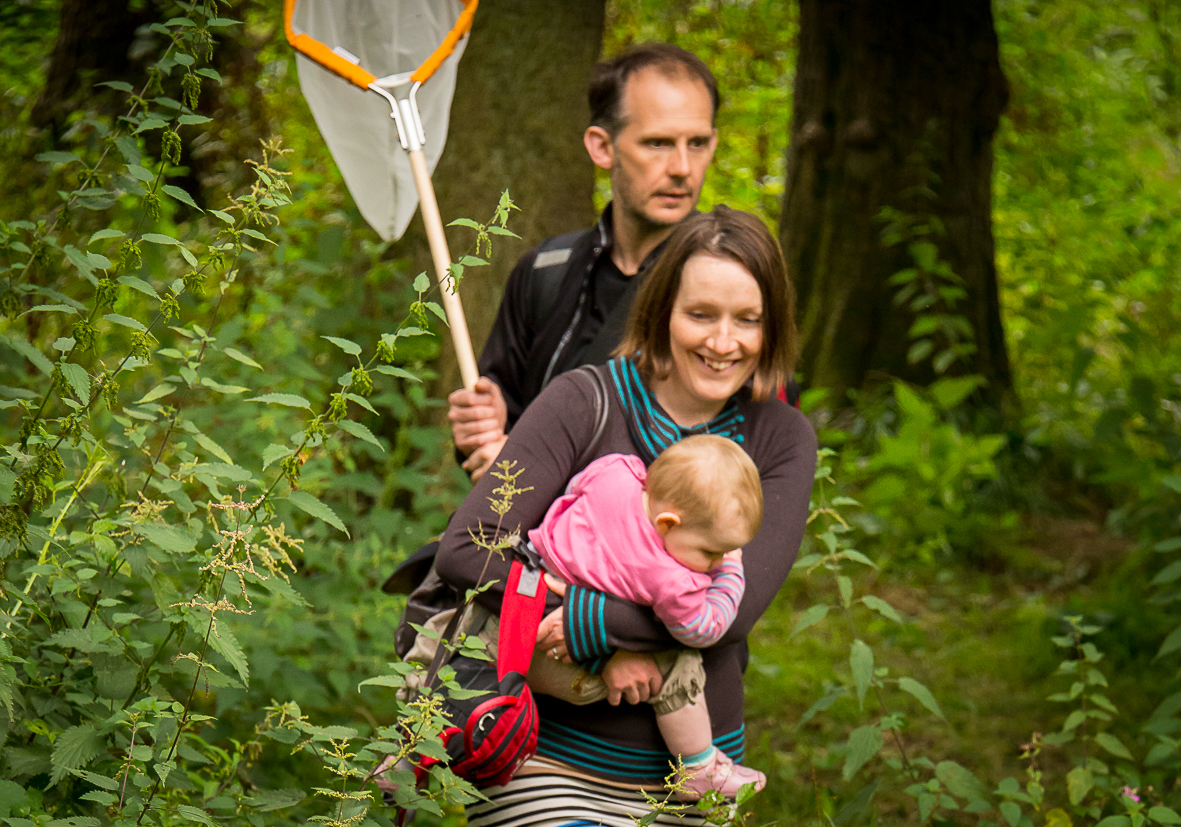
[597,536]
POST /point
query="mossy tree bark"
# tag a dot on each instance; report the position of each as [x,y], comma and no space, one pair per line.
[895,106]
[516,124]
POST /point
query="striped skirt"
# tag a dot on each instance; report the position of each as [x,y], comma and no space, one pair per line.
[548,794]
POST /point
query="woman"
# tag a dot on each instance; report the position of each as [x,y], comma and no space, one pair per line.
[710,338]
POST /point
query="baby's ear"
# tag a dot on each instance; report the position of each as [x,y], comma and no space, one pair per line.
[666,521]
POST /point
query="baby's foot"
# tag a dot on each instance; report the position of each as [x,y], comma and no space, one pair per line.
[718,772]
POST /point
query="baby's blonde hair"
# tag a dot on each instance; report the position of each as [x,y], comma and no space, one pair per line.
[697,475]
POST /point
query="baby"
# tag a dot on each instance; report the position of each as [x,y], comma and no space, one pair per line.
[668,537]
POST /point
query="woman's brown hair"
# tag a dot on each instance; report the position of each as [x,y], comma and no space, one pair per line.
[728,234]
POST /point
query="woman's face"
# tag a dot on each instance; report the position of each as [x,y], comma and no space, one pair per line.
[715,330]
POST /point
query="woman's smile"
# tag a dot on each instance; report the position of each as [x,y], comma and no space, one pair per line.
[715,338]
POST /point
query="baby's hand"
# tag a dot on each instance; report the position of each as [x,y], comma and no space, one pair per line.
[555,585]
[735,555]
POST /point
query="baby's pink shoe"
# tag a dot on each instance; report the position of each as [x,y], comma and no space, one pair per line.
[718,773]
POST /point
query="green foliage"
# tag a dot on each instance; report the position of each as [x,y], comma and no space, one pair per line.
[211,459]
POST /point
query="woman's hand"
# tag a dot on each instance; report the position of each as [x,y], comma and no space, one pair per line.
[551,636]
[632,676]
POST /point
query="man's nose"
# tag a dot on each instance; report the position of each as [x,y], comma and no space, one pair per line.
[678,164]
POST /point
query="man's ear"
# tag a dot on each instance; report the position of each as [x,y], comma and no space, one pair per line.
[666,521]
[599,147]
[713,144]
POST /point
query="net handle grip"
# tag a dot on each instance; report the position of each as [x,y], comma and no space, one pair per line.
[441,257]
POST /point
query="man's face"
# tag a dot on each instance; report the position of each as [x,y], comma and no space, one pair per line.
[659,156]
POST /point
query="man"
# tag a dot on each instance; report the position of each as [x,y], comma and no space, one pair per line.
[566,301]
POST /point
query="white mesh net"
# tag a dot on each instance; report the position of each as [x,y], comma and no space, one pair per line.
[388,37]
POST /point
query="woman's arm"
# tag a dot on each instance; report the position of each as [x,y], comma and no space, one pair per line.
[783,445]
[541,451]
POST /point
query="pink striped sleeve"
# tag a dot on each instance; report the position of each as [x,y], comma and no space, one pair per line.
[703,617]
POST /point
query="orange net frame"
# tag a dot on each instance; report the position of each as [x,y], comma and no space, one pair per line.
[317,51]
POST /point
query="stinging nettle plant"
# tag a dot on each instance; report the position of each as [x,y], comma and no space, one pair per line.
[136,534]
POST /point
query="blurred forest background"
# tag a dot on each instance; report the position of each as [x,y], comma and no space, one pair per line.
[984,626]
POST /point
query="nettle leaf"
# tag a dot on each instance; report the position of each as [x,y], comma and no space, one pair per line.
[29,352]
[864,743]
[421,283]
[362,401]
[351,348]
[401,373]
[921,693]
[88,640]
[126,321]
[166,537]
[155,393]
[1113,745]
[104,234]
[1164,815]
[881,607]
[221,471]
[213,448]
[239,356]
[79,380]
[158,238]
[224,643]
[861,662]
[288,399]
[73,749]
[213,384]
[267,800]
[810,617]
[139,173]
[438,311]
[273,453]
[307,503]
[360,431]
[139,284]
[179,194]
[1171,643]
[960,781]
[1078,783]
[150,123]
[52,308]
[195,814]
[58,158]
[192,119]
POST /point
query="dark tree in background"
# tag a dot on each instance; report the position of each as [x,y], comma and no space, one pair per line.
[516,123]
[895,107]
[93,41]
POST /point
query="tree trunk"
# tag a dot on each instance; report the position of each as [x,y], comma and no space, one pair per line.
[94,37]
[516,123]
[895,107]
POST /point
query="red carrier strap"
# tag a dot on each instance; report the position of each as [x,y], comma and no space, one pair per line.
[520,615]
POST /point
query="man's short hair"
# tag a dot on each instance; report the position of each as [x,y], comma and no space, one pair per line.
[700,476]
[609,79]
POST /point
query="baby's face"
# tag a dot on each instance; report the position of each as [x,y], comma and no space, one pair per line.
[702,549]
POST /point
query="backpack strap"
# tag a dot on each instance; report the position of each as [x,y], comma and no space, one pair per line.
[549,268]
[602,409]
[520,615]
